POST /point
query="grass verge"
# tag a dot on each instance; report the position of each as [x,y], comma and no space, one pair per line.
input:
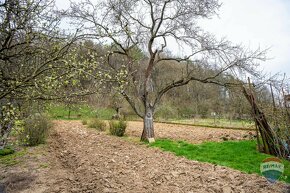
[59,111]
[240,155]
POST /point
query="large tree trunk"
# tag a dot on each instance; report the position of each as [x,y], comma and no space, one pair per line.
[148,129]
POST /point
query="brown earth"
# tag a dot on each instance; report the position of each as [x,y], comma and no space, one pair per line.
[83,160]
[190,133]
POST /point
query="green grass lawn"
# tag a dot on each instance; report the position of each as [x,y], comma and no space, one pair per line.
[240,155]
[58,111]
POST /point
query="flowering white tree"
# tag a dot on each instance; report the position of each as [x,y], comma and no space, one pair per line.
[32,52]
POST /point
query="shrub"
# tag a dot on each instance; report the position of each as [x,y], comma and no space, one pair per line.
[35,129]
[118,128]
[97,124]
[84,122]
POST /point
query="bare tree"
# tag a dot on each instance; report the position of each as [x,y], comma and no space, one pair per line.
[131,27]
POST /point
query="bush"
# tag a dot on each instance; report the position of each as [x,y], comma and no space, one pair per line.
[97,124]
[84,122]
[118,128]
[35,130]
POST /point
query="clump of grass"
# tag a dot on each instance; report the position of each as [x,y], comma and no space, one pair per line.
[118,128]
[44,165]
[84,121]
[12,159]
[34,130]
[6,151]
[241,155]
[97,124]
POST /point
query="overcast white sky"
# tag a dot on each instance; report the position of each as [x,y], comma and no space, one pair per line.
[254,23]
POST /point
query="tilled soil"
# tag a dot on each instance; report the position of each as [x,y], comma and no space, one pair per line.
[83,160]
[190,133]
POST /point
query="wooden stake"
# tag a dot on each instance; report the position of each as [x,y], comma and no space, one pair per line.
[256,125]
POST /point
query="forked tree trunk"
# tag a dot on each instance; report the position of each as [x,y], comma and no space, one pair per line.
[148,128]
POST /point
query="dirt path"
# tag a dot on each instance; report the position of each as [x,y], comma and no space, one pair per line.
[190,133]
[83,160]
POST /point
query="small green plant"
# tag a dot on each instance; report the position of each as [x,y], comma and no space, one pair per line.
[12,159]
[118,128]
[6,151]
[84,122]
[97,124]
[34,130]
[44,165]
